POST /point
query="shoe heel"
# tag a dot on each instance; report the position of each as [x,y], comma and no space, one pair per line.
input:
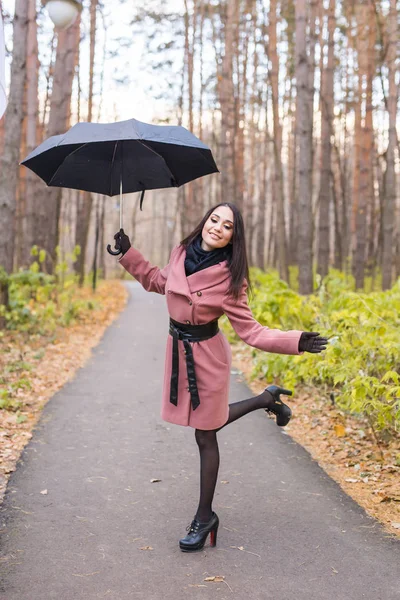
[213,537]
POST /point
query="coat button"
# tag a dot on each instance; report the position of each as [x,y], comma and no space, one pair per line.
[190,303]
[169,291]
[199,293]
[187,322]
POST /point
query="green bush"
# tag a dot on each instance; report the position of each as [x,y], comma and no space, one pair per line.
[360,366]
[39,302]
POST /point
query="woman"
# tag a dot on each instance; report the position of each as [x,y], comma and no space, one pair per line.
[207,276]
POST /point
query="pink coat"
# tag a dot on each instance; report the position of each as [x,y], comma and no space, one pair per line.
[198,299]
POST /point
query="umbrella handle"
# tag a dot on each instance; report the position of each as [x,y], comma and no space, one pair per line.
[119,251]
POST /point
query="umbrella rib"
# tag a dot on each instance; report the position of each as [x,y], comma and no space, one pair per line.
[205,157]
[159,156]
[61,164]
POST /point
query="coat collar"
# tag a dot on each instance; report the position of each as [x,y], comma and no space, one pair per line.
[199,281]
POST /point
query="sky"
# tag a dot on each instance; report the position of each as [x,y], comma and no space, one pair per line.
[134,98]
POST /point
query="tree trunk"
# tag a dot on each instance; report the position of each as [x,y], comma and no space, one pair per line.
[369,130]
[102,261]
[200,201]
[96,242]
[32,195]
[324,229]
[227,107]
[50,205]
[85,200]
[191,204]
[339,199]
[304,128]
[343,160]
[287,12]
[390,175]
[315,6]
[9,160]
[279,198]
[292,183]
[365,69]
[262,204]
[183,221]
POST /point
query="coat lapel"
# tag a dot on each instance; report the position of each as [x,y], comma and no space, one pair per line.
[180,284]
[209,277]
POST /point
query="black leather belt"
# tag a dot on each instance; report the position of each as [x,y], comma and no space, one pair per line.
[188,333]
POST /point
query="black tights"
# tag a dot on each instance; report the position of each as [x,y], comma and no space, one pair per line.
[209,451]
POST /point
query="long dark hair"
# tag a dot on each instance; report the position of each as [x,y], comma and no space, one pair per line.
[238,263]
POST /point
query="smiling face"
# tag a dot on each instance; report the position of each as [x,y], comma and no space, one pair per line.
[218,229]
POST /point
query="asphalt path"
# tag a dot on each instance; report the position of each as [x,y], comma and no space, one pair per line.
[104,530]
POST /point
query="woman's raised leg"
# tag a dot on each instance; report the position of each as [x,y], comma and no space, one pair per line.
[269,400]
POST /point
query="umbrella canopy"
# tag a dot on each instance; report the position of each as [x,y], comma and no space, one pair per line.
[126,156]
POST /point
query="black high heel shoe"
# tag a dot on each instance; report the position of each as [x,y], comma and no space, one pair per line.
[281,410]
[197,535]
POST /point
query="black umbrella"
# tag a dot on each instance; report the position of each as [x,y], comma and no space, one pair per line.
[119,158]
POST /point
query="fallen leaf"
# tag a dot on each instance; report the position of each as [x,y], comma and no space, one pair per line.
[339,430]
[384,498]
[154,480]
[217,578]
[44,492]
[146,548]
[334,570]
[243,550]
[351,480]
[224,481]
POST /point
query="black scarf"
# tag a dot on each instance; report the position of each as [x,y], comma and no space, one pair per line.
[198,259]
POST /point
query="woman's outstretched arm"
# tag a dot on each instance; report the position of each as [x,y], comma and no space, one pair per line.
[151,277]
[255,334]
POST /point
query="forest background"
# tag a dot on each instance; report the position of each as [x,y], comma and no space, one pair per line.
[298,102]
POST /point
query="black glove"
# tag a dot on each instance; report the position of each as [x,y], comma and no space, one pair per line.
[312,342]
[122,241]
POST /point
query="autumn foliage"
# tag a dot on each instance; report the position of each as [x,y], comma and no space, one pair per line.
[359,370]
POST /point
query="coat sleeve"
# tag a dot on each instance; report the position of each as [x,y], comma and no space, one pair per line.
[152,278]
[255,334]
